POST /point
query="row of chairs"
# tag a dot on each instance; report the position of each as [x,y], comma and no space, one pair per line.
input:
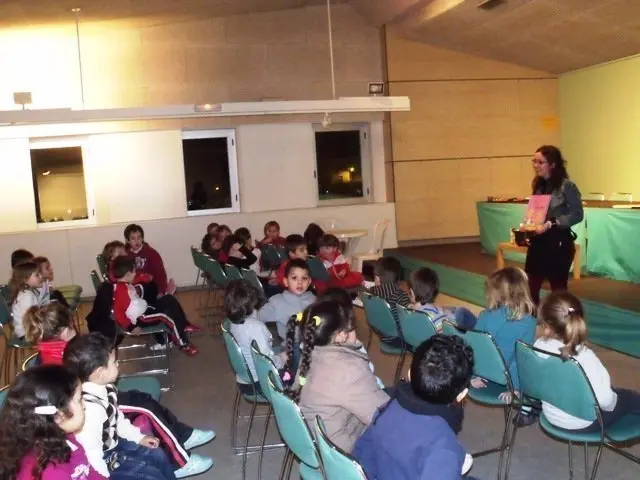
[317,456]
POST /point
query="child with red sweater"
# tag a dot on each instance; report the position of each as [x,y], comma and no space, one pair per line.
[296,247]
[337,265]
[131,310]
[272,234]
[50,328]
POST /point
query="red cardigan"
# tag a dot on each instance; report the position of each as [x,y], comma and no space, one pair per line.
[148,260]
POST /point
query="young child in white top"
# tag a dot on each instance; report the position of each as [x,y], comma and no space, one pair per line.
[241,300]
[24,284]
[564,333]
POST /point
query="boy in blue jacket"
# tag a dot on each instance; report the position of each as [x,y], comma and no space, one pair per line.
[414,435]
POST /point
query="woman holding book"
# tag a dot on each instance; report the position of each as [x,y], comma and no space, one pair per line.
[552,249]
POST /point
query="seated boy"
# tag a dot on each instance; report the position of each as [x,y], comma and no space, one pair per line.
[130,310]
[293,300]
[296,247]
[424,284]
[414,435]
[114,446]
[336,264]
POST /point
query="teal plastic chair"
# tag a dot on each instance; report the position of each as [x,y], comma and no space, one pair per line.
[3,395]
[296,435]
[380,320]
[5,291]
[102,265]
[337,464]
[31,361]
[489,364]
[416,327]
[271,256]
[317,269]
[195,253]
[563,383]
[146,384]
[217,279]
[96,280]
[264,366]
[232,272]
[15,348]
[243,374]
[252,277]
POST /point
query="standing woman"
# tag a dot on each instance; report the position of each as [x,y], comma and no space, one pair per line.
[552,248]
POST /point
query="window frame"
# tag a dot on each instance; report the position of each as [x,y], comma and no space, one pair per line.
[232,158]
[66,142]
[365,163]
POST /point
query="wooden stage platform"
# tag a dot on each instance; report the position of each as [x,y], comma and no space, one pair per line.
[469,257]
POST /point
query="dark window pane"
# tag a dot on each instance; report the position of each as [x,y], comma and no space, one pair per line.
[206,173]
[339,165]
[58,184]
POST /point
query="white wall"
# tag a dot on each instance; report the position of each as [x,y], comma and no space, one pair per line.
[17,203]
[73,251]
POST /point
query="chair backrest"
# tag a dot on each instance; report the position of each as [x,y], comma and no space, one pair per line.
[232,272]
[337,464]
[5,312]
[31,361]
[317,269]
[237,360]
[562,383]
[379,229]
[252,277]
[264,366]
[416,326]
[292,426]
[488,360]
[214,269]
[3,395]
[271,256]
[621,197]
[593,196]
[102,265]
[96,280]
[5,292]
[379,315]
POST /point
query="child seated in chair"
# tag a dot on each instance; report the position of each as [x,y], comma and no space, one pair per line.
[293,300]
[414,434]
[115,447]
[296,248]
[24,293]
[241,300]
[272,235]
[131,311]
[70,296]
[336,264]
[425,286]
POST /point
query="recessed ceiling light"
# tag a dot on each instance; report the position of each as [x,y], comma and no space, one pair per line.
[76,9]
[48,172]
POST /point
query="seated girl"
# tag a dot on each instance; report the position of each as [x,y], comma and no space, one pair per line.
[24,293]
[46,402]
[241,301]
[237,252]
[334,380]
[337,266]
[51,328]
[564,332]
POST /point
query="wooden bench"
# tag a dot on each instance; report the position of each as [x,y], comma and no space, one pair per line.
[512,247]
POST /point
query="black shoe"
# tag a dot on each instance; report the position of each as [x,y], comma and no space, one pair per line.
[525,419]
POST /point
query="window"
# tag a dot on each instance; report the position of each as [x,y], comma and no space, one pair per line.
[59,185]
[210,172]
[343,166]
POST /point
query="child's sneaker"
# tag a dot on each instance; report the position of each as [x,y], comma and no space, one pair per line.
[190,350]
[195,466]
[468,463]
[191,328]
[159,347]
[199,438]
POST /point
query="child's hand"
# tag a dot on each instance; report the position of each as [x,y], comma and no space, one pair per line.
[236,246]
[136,331]
[149,442]
[478,382]
[505,397]
[171,286]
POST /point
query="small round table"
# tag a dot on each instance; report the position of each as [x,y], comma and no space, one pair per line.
[348,237]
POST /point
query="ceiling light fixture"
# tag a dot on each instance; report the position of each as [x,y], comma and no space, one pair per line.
[48,172]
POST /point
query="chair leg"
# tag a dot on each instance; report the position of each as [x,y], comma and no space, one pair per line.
[570,461]
[596,463]
[396,378]
[370,337]
[234,422]
[508,413]
[169,369]
[512,443]
[246,441]
[292,458]
[586,461]
[264,439]
[285,461]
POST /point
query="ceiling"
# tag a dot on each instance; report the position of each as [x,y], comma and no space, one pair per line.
[550,35]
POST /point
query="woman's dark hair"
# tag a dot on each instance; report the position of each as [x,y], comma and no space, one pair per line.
[319,323]
[329,241]
[296,263]
[20,256]
[241,299]
[441,368]
[205,246]
[109,248]
[312,235]
[212,228]
[84,354]
[131,229]
[557,166]
[22,431]
[425,285]
[243,233]
[229,241]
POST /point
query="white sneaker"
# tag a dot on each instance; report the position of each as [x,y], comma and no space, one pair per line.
[196,465]
[468,463]
[157,347]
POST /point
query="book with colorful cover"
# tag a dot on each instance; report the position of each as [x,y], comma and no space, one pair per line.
[537,210]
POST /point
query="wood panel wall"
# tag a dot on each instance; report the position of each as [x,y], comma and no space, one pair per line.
[471,132]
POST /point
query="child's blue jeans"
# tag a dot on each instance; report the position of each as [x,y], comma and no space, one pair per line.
[135,462]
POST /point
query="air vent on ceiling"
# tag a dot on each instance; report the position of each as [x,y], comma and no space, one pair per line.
[489,4]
